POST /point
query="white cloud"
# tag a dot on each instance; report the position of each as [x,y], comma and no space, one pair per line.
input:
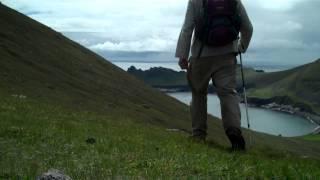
[98,15]
[268,43]
[154,25]
[137,46]
[134,25]
[278,5]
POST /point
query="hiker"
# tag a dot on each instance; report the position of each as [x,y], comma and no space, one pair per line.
[215,26]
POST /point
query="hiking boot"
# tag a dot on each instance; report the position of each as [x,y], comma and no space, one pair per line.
[237,141]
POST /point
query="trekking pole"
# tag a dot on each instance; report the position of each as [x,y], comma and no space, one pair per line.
[245,98]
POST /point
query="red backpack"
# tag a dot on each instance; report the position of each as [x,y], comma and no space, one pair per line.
[220,24]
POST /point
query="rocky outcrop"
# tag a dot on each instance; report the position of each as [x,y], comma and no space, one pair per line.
[54,174]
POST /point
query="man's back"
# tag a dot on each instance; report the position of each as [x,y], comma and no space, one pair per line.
[195,13]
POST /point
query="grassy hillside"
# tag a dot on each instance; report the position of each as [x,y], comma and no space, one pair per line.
[35,137]
[42,64]
[64,107]
[301,85]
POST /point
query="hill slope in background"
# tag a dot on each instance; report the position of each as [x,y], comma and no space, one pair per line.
[301,85]
[64,107]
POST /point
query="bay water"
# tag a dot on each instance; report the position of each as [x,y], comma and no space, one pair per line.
[262,120]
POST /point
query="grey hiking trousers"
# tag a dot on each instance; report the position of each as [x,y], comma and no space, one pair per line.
[222,71]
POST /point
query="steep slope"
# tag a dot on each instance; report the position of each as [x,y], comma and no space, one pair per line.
[300,85]
[40,63]
[54,90]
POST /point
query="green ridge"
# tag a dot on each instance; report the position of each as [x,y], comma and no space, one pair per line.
[301,85]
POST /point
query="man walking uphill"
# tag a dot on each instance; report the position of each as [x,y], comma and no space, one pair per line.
[215,25]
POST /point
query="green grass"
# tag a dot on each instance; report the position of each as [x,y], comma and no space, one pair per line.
[35,137]
[312,137]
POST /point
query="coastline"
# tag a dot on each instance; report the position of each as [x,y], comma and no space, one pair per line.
[313,118]
[290,110]
[285,105]
[270,104]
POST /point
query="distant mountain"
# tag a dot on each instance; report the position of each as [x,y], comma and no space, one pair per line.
[299,86]
[160,77]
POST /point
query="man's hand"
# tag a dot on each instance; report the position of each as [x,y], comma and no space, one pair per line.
[183,63]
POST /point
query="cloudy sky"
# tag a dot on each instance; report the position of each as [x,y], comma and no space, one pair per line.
[285,31]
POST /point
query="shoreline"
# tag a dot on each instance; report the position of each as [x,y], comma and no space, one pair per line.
[288,109]
[268,104]
[277,104]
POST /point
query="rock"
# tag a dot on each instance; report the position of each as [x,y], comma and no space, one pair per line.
[260,71]
[146,106]
[316,131]
[20,96]
[173,130]
[179,130]
[91,141]
[54,174]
